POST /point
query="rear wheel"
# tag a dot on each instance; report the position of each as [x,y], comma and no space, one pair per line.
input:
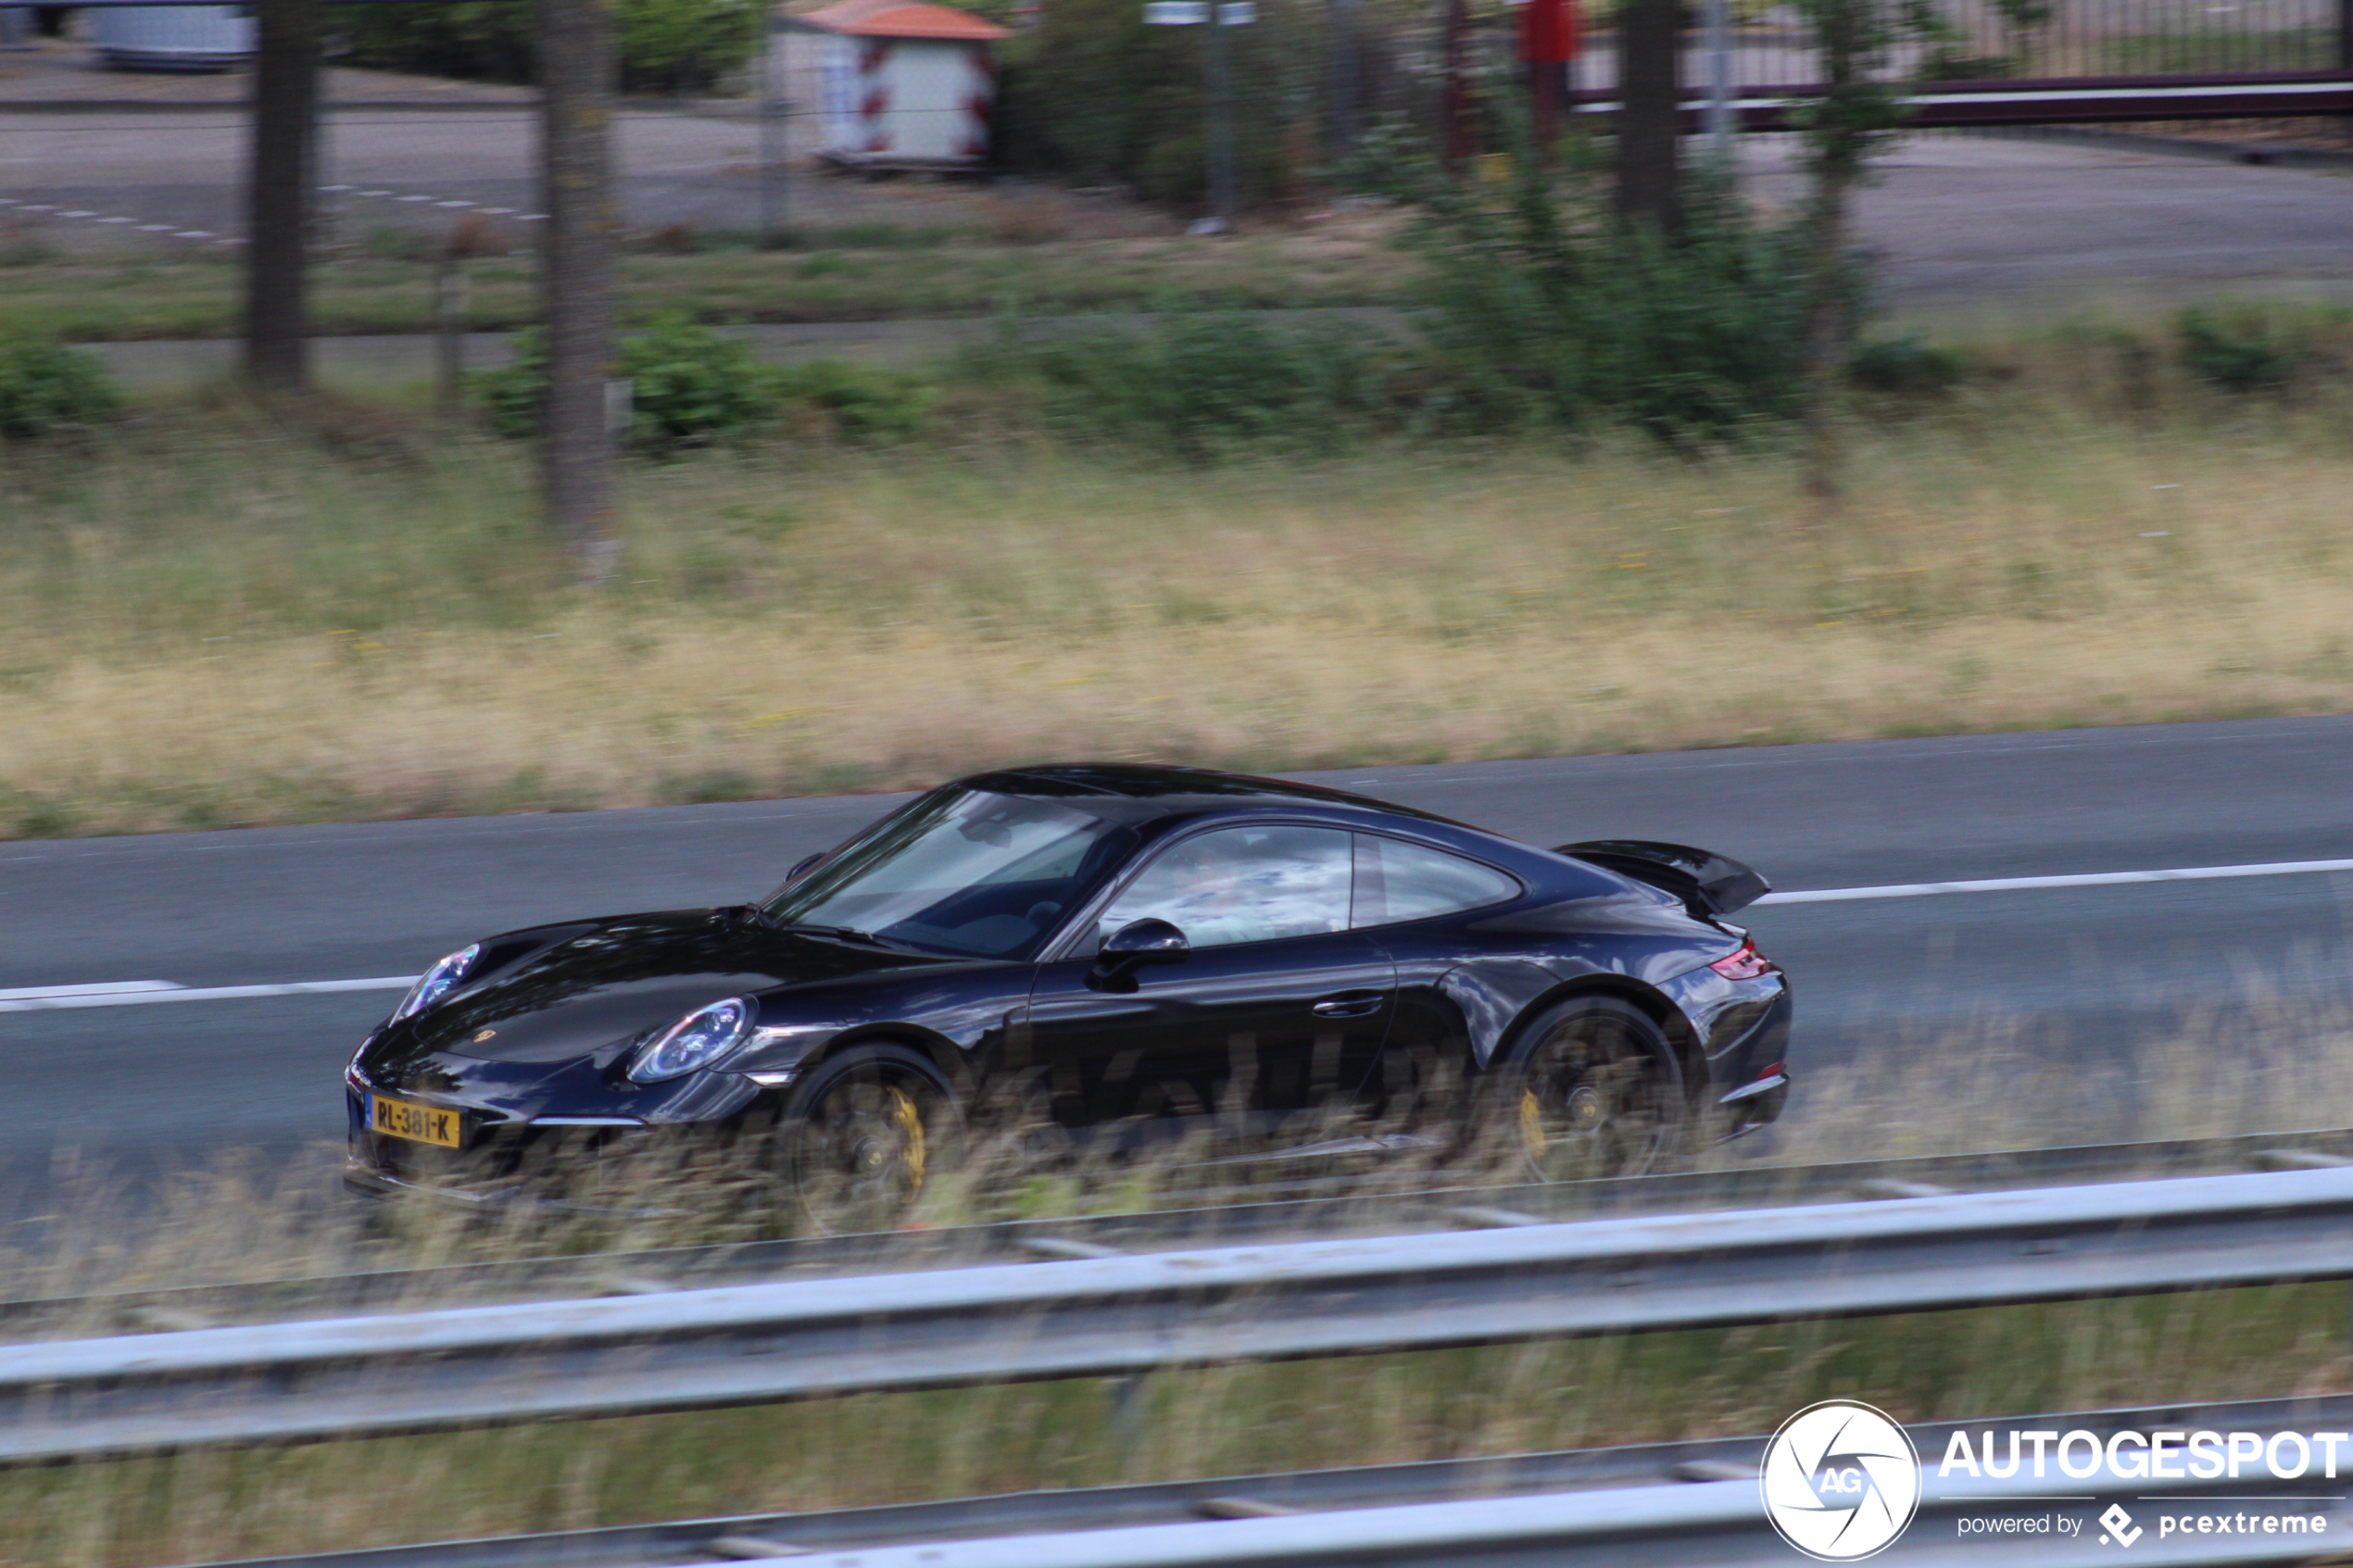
[1594,1090]
[859,1138]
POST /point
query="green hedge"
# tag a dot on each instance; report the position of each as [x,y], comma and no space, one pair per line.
[692,386]
[666,45]
[44,387]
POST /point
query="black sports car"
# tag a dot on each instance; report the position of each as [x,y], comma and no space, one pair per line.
[1114,949]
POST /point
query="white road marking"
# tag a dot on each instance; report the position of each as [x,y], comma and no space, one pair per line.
[2023,884]
[133,993]
[123,994]
[104,988]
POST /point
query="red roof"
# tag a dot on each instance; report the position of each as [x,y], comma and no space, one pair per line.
[901,19]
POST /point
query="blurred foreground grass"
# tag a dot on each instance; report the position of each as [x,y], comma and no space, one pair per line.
[2274,1342]
[248,1218]
[215,616]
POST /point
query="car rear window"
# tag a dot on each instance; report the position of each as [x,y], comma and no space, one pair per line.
[1397,881]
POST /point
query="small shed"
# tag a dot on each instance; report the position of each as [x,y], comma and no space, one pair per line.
[906,84]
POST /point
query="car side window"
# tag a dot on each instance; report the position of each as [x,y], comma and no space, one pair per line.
[1396,881]
[1243,885]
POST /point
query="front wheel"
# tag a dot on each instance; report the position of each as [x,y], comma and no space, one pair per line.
[1594,1090]
[860,1138]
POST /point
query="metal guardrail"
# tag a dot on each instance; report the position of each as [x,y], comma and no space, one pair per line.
[1327,1214]
[2054,100]
[1590,1506]
[742,1345]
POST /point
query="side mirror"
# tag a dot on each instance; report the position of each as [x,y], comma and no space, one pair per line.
[803,865]
[1136,946]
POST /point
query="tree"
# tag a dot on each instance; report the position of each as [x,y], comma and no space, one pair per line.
[278,196]
[1649,113]
[1856,115]
[576,444]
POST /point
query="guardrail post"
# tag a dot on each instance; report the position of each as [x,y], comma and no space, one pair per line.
[1128,1419]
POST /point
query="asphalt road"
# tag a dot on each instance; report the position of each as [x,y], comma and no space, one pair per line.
[2088,969]
[1969,224]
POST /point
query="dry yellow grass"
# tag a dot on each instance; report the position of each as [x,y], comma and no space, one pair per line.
[212,623]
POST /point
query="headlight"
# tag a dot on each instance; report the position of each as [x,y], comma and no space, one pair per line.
[695,1041]
[437,982]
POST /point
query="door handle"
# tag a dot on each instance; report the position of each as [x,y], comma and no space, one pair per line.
[1349,1004]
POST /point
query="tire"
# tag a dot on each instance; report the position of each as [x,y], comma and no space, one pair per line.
[1592,1089]
[860,1138]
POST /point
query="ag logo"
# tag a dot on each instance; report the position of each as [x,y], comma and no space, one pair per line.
[1840,1481]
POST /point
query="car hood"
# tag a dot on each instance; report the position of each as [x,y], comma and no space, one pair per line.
[624,977]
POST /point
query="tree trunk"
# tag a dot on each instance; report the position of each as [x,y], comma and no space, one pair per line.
[1839,141]
[1827,311]
[1459,138]
[577,446]
[1649,172]
[278,197]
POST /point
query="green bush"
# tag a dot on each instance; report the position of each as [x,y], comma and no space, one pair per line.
[1541,308]
[688,384]
[1195,386]
[2246,349]
[863,403]
[1906,366]
[44,387]
[665,45]
[1947,62]
[1099,97]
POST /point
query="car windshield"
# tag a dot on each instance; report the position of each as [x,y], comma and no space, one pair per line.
[965,872]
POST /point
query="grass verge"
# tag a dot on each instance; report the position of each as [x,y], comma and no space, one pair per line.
[245,1219]
[2280,1341]
[86,299]
[220,618]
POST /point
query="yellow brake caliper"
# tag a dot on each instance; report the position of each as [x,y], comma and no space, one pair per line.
[911,1133]
[1532,1124]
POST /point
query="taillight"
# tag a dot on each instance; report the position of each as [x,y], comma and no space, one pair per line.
[1746,964]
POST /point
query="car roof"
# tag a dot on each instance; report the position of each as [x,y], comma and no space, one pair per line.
[1172,791]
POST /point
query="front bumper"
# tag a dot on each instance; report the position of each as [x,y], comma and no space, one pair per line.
[564,1155]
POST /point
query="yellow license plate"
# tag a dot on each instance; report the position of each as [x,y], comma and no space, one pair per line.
[420,1123]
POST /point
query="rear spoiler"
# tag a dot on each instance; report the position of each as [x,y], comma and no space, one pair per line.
[1708,883]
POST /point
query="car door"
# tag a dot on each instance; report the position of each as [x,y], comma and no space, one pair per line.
[1276,1008]
[1412,898]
